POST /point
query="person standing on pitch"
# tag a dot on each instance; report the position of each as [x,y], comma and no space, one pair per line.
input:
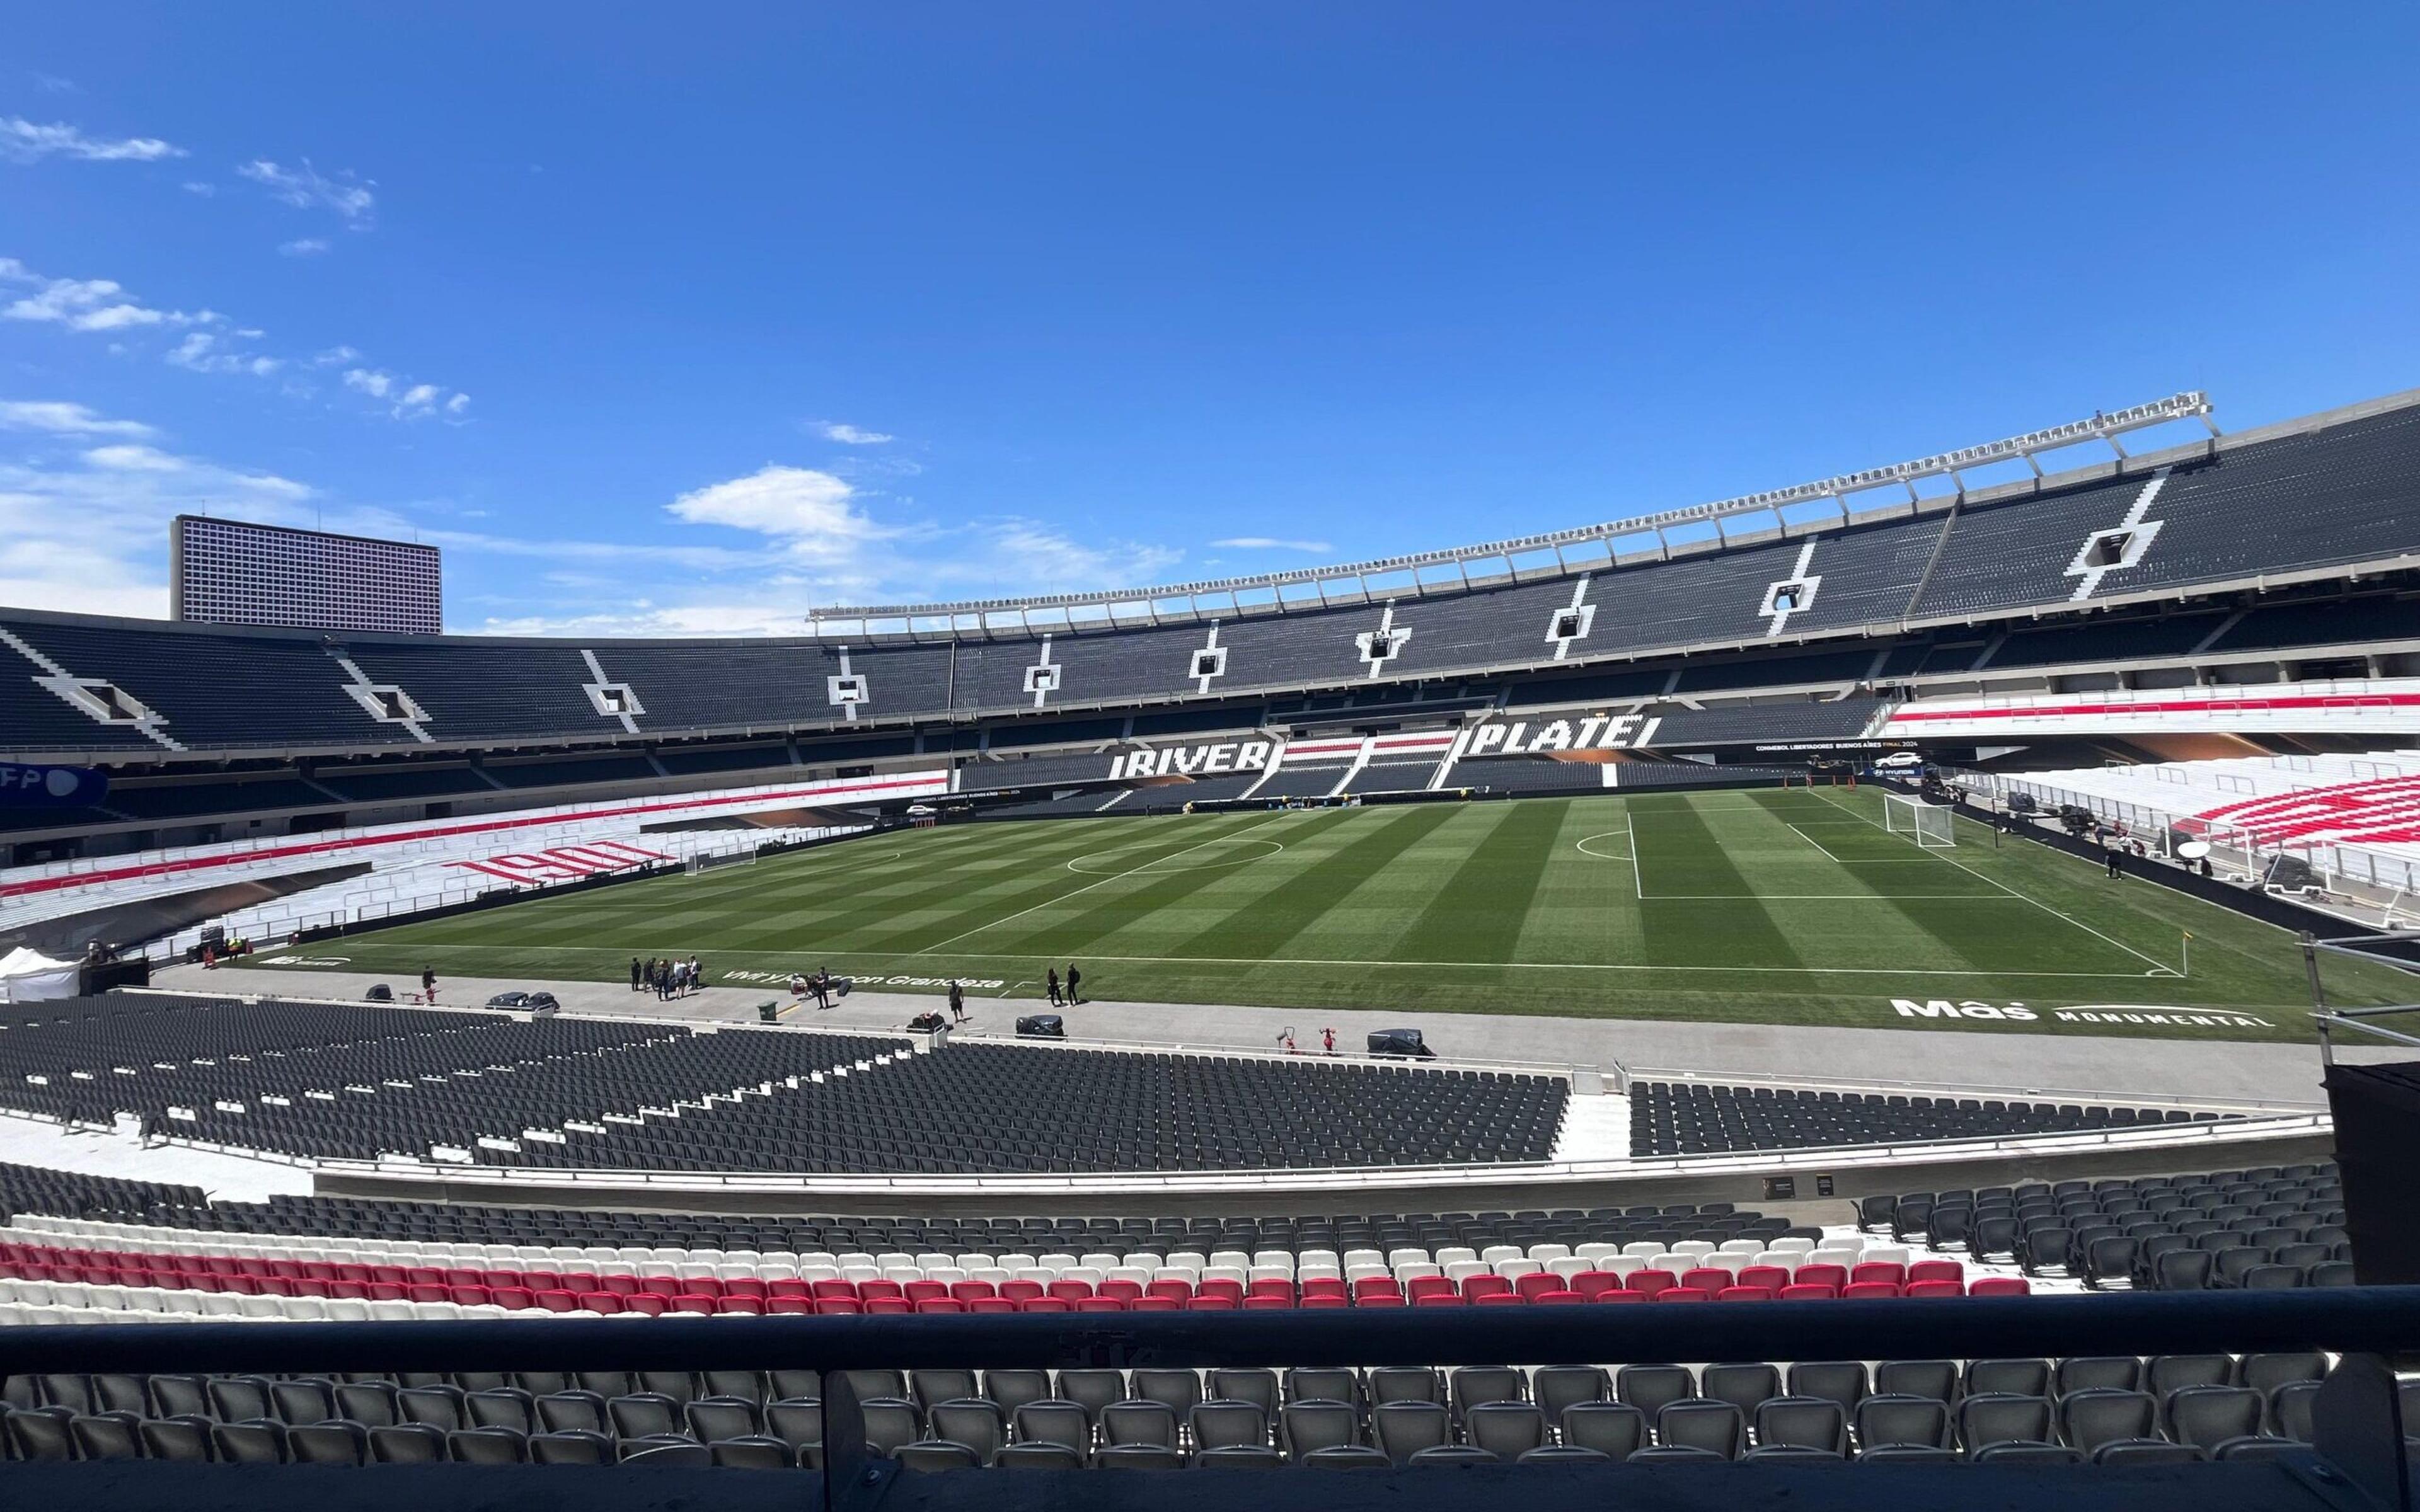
[2111,852]
[1053,984]
[958,1002]
[635,969]
[1073,977]
[428,984]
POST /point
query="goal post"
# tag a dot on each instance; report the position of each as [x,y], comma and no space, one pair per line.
[1927,824]
[701,863]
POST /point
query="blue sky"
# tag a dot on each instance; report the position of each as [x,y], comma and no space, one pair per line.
[686,319]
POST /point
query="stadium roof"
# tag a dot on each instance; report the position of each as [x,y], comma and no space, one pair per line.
[1649,533]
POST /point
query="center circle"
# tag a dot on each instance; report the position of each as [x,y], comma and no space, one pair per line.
[1107,863]
[1582,845]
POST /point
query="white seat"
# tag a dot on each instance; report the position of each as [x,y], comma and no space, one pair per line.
[1365,1273]
[1656,1260]
[697,1270]
[904,1273]
[946,1274]
[1149,1260]
[1397,1257]
[1273,1272]
[1510,1269]
[182,1303]
[1543,1253]
[309,1310]
[1090,1275]
[1192,1260]
[1328,1258]
[1056,1260]
[1412,1270]
[1099,1260]
[1173,1271]
[896,1260]
[1461,1270]
[1570,1266]
[1886,1253]
[70,1294]
[33,1293]
[1039,1274]
[1275,1259]
[1734,1263]
[1642,1247]
[819,1272]
[1363,1257]
[1318,1272]
[1793,1242]
[1741,1247]
[1240,1274]
[1620,1264]
[263,1307]
[1494,1253]
[1693,1247]
[777,1271]
[347,1310]
[1787,1260]
[1140,1275]
[993,1273]
[1017,1260]
[855,1256]
[736,1271]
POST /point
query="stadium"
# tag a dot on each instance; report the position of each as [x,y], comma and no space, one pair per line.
[1103,758]
[1391,902]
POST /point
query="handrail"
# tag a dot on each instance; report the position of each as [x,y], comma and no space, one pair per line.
[2380,1320]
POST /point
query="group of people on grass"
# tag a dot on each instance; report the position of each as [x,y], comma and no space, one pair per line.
[667,979]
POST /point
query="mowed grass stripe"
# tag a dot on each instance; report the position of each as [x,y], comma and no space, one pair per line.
[1585,907]
[1150,904]
[1478,913]
[1674,839]
[1263,925]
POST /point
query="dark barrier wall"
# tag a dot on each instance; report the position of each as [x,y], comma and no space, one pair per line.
[2377,1111]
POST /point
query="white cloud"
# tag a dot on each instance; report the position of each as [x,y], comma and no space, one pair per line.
[807,513]
[24,141]
[362,381]
[303,247]
[333,356]
[410,401]
[195,185]
[82,530]
[1271,543]
[307,188]
[201,351]
[848,435]
[457,404]
[419,397]
[84,303]
[62,419]
[134,459]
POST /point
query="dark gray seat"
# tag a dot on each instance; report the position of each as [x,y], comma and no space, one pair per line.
[332,1442]
[259,1442]
[1702,1423]
[2090,1418]
[487,1446]
[1614,1430]
[1507,1429]
[1318,1423]
[1403,1429]
[571,1446]
[106,1435]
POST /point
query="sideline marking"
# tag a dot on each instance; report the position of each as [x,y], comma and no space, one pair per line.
[2159,968]
[1332,960]
[1277,848]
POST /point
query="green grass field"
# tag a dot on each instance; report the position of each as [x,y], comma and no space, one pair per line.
[1771,905]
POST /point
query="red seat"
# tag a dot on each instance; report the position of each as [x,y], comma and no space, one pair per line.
[1324,1287]
[1323,1299]
[1269,1303]
[940,1304]
[363,1274]
[1070,1291]
[1869,1292]
[1685,1294]
[418,1290]
[379,1290]
[962,1291]
[828,1291]
[1530,1288]
[351,1290]
[1933,1289]
[1823,1274]
[869,1291]
[838,1307]
[292,1270]
[1123,1290]
[1708,1278]
[1477,1286]
[746,1286]
[1232,1290]
[923,1290]
[1045,1304]
[1168,1286]
[1435,1299]
[597,1302]
[1884,1270]
[1148,1304]
[1100,1305]
[990,1305]
[1375,1283]
[1429,1285]
[556,1301]
[1937,1270]
[790,1305]
[1744,1294]
[628,1286]
[1592,1284]
[648,1303]
[1621,1294]
[1651,1282]
[746,1306]
[459,1275]
[323,1270]
[692,1301]
[270,1285]
[1763,1276]
[1210,1302]
[1271,1287]
[1498,1299]
[672,1285]
[1807,1293]
[1999,1286]
[1557,1298]
[1022,1291]
[551,1281]
[1379,1299]
[392,1275]
[518,1297]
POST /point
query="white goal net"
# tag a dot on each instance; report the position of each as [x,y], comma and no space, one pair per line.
[700,862]
[1927,825]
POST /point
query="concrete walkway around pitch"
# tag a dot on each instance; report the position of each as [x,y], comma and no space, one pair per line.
[2110,1067]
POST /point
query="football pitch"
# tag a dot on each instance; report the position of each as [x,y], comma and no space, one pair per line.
[1752,906]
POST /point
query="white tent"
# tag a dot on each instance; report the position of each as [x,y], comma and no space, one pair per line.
[28,976]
